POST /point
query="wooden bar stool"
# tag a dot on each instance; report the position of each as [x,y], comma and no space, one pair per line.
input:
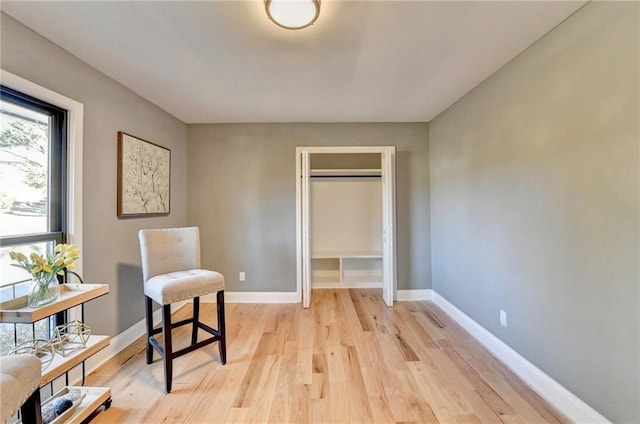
[171,273]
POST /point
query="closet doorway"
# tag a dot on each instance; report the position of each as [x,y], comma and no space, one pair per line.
[345,219]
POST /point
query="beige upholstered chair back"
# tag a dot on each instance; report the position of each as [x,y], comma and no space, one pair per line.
[169,250]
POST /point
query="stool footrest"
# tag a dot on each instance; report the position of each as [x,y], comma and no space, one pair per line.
[158,330]
[181,323]
[209,330]
[193,347]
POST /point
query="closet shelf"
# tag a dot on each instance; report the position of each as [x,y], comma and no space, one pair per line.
[346,172]
[355,254]
[346,270]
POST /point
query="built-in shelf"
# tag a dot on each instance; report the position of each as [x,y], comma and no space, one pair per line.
[347,254]
[61,364]
[346,269]
[323,281]
[16,310]
[345,172]
[345,285]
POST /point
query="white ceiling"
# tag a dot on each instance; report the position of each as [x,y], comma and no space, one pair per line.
[362,61]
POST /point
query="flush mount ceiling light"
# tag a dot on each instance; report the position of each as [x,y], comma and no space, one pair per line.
[292,14]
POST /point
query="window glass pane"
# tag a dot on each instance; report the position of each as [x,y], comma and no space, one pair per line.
[44,328]
[24,333]
[7,338]
[10,291]
[22,289]
[10,274]
[6,293]
[12,335]
[24,170]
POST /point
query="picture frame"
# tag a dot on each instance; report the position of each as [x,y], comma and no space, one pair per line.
[144,177]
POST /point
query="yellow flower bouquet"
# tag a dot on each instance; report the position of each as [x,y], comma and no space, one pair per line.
[43,271]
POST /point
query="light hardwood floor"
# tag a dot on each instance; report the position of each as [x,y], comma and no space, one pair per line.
[347,359]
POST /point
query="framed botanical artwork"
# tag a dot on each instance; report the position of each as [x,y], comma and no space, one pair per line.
[144,177]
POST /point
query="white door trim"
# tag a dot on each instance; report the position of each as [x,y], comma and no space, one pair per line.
[306,251]
[298,224]
[303,283]
[388,226]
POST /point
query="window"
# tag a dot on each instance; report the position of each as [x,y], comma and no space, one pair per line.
[32,193]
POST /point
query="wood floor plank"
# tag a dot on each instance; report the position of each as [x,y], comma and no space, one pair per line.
[480,386]
[281,405]
[363,317]
[434,396]
[320,410]
[348,358]
[236,416]
[359,408]
[380,410]
[304,366]
[259,410]
[339,401]
[300,411]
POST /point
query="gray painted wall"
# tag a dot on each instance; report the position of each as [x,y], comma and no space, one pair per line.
[241,192]
[110,246]
[535,205]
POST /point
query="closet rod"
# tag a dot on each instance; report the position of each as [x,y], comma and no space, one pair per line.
[347,176]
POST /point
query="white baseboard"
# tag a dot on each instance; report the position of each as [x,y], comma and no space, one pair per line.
[415,295]
[254,297]
[344,285]
[557,395]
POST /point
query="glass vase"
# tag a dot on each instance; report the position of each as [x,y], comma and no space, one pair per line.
[44,290]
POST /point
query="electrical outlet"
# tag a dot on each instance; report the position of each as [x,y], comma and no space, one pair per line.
[242,276]
[503,318]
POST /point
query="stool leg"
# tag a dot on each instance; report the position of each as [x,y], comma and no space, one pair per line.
[196,317]
[168,349]
[222,343]
[149,318]
[30,411]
